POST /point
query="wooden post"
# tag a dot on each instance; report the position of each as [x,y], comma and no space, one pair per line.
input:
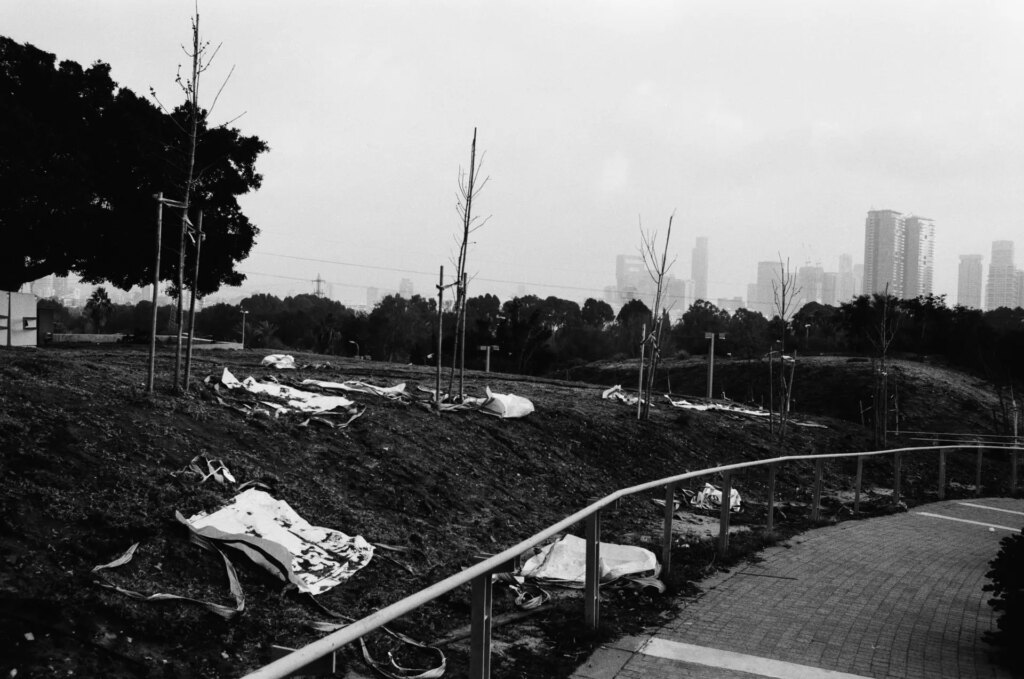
[666,534]
[192,301]
[819,465]
[640,386]
[977,475]
[723,517]
[440,337]
[1013,471]
[156,290]
[897,462]
[771,497]
[592,585]
[942,474]
[480,628]
[462,342]
[857,484]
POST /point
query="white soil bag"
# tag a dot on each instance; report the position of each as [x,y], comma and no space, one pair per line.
[274,536]
[506,405]
[279,361]
[564,562]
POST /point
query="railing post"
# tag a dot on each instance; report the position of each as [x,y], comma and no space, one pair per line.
[942,474]
[772,468]
[1013,471]
[977,476]
[723,517]
[666,536]
[897,463]
[819,465]
[592,586]
[480,628]
[857,484]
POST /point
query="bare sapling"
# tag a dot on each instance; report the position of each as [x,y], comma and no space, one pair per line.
[657,266]
[470,187]
[784,292]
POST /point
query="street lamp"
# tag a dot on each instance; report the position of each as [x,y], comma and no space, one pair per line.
[358,354]
[244,312]
[711,357]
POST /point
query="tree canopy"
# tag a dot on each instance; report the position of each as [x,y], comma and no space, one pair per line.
[83,161]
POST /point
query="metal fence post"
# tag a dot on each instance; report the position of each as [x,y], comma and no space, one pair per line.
[1013,471]
[816,505]
[977,476]
[942,474]
[857,484]
[723,517]
[897,462]
[666,536]
[480,628]
[592,586]
[771,497]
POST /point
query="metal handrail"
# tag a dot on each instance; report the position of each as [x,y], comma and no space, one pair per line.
[298,659]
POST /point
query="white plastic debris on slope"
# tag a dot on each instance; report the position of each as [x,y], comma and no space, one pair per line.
[617,393]
[564,562]
[724,407]
[506,405]
[279,361]
[710,497]
[305,401]
[395,392]
[270,533]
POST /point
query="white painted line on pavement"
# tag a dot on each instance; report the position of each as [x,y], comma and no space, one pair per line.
[994,509]
[976,523]
[738,662]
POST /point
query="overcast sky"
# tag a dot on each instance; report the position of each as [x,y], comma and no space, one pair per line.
[770,127]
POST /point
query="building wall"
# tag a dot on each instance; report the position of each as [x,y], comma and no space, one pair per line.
[699,271]
[1002,277]
[918,256]
[883,253]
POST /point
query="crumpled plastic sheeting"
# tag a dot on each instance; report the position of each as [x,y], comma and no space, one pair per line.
[304,401]
[724,407]
[279,361]
[564,562]
[616,393]
[274,536]
[710,497]
[506,405]
[393,393]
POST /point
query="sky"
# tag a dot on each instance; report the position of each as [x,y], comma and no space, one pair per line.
[771,127]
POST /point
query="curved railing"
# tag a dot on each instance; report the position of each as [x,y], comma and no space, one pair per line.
[480,574]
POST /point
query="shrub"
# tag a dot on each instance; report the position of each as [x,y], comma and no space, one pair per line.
[1007,577]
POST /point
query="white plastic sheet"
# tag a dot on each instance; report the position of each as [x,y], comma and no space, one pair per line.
[279,361]
[564,562]
[274,536]
[506,405]
[304,401]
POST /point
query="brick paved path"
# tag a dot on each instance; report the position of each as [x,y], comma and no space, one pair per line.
[897,596]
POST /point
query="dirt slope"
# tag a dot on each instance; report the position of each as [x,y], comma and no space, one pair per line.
[86,462]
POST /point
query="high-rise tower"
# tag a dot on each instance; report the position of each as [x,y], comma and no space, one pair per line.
[968,286]
[883,253]
[1002,277]
[918,256]
[699,270]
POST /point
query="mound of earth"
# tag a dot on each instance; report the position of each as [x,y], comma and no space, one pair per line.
[90,462]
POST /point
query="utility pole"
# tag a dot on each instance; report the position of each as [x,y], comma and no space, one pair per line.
[319,292]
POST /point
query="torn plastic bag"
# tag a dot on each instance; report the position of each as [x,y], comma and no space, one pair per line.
[224,611]
[297,399]
[392,668]
[395,392]
[616,393]
[279,361]
[710,497]
[564,563]
[506,405]
[273,535]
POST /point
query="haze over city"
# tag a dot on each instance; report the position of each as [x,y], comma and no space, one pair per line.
[770,128]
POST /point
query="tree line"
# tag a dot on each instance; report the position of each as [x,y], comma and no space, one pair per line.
[538,336]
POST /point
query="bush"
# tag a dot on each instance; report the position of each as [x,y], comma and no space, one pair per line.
[1007,577]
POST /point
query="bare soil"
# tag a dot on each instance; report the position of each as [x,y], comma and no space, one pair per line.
[86,462]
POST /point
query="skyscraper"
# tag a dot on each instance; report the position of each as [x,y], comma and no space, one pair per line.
[918,256]
[883,253]
[1002,277]
[968,286]
[809,281]
[764,301]
[846,283]
[700,268]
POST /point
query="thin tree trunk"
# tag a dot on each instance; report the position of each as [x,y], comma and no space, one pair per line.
[192,302]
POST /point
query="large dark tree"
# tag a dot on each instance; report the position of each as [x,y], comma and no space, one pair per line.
[82,161]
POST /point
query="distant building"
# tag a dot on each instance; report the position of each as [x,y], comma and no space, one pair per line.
[631,278]
[968,287]
[372,297]
[809,281]
[699,270]
[918,256]
[405,289]
[830,288]
[730,304]
[884,232]
[846,280]
[768,277]
[1002,277]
